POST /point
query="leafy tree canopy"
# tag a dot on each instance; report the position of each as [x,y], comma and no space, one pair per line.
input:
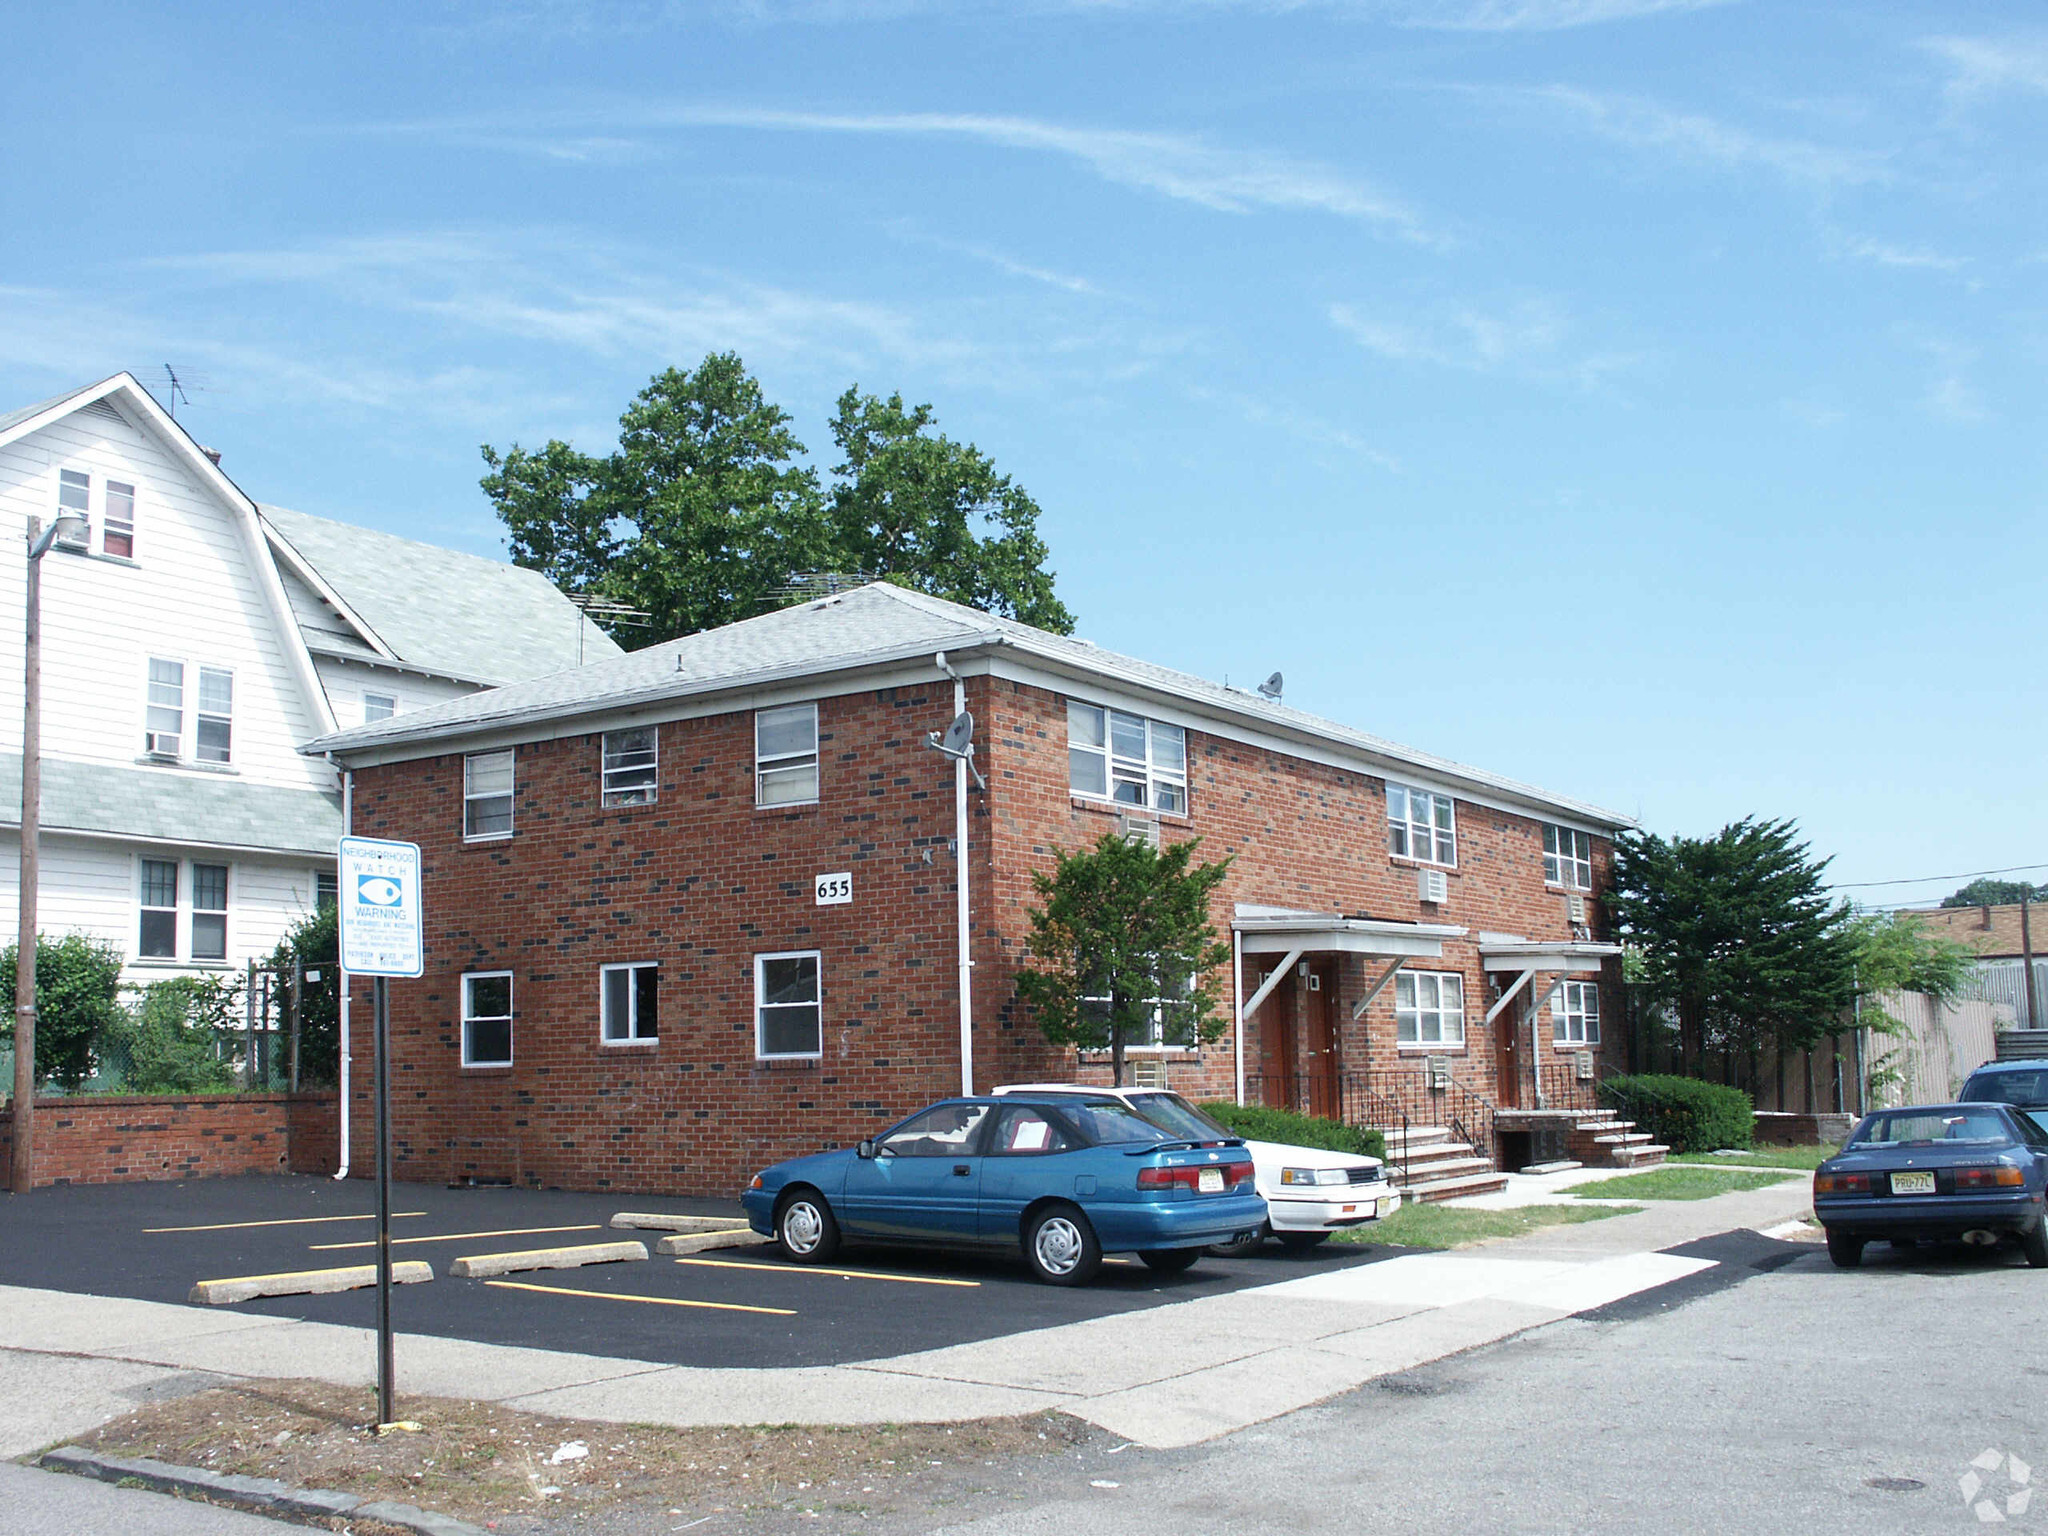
[1986,892]
[78,997]
[1121,943]
[706,514]
[1896,954]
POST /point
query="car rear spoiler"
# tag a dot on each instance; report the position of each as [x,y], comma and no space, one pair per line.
[1182,1146]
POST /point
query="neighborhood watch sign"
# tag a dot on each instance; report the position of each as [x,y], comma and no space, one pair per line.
[382,924]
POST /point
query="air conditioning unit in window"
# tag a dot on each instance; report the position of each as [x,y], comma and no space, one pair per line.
[160,743]
[1136,829]
[1433,886]
[1584,1063]
[1147,1072]
[1575,909]
[1437,1072]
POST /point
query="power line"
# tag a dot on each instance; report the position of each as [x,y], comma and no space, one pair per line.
[1968,874]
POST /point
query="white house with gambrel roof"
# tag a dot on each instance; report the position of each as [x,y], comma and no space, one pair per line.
[191,643]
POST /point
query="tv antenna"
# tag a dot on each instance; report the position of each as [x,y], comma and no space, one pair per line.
[604,610]
[176,389]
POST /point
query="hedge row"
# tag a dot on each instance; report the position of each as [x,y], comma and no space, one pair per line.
[1683,1113]
[1259,1122]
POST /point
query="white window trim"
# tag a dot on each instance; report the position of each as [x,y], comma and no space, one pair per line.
[511,794]
[1411,857]
[58,508]
[1564,864]
[225,913]
[184,913]
[1154,776]
[176,906]
[185,721]
[632,1002]
[1438,1045]
[389,698]
[511,1017]
[789,759]
[106,516]
[760,967]
[199,713]
[1562,1016]
[604,791]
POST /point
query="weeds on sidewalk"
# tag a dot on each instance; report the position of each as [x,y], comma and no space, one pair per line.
[1447,1226]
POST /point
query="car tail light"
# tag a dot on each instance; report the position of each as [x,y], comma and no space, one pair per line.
[1189,1177]
[1841,1183]
[1990,1178]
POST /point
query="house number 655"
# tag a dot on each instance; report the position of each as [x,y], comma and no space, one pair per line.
[835,890]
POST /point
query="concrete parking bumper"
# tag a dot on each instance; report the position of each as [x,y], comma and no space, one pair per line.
[483,1265]
[306,1282]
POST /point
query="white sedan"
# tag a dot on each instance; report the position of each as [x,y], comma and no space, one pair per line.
[1310,1192]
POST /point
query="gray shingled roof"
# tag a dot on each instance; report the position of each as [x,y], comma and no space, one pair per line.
[170,806]
[441,610]
[16,418]
[871,626]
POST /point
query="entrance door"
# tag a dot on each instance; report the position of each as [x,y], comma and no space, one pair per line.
[1319,1041]
[1278,1060]
[1508,1054]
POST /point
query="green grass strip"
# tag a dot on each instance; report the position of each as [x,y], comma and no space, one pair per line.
[1444,1226]
[1804,1159]
[1676,1182]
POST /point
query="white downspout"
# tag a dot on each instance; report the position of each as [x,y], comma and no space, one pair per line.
[1237,1002]
[348,826]
[960,861]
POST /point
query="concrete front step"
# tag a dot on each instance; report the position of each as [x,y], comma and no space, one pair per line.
[1427,1190]
[1648,1155]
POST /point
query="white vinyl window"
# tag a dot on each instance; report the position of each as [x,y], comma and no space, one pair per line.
[216,714]
[788,1006]
[1567,858]
[1166,1009]
[1421,825]
[632,766]
[209,911]
[786,755]
[163,724]
[74,495]
[487,1019]
[1123,757]
[1429,1008]
[117,529]
[159,937]
[630,996]
[487,794]
[378,706]
[1575,1013]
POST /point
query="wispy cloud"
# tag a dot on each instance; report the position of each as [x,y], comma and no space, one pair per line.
[1303,425]
[1531,338]
[1950,395]
[904,230]
[1884,254]
[1980,66]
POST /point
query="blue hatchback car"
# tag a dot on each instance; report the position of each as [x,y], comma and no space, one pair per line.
[1976,1171]
[1064,1179]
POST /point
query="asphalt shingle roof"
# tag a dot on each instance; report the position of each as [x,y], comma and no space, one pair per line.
[441,610]
[15,418]
[867,626]
[170,806]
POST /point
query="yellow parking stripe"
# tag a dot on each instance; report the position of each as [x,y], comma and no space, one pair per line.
[843,1274]
[290,1221]
[450,1237]
[652,1301]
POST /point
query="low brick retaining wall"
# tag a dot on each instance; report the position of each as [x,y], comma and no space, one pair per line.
[119,1139]
[1783,1130]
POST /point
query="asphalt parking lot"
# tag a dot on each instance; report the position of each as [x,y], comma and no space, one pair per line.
[732,1307]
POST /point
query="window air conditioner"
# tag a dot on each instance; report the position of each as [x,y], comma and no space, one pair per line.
[1147,1072]
[1438,1072]
[160,743]
[1433,886]
[1135,829]
[1575,908]
[1584,1062]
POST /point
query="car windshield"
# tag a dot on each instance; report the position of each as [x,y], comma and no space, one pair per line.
[1104,1122]
[2029,1090]
[1171,1112]
[1921,1127]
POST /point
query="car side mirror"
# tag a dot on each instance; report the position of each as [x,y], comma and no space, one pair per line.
[866,1149]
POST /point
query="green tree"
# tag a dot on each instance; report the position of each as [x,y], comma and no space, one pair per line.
[1739,941]
[315,944]
[1121,945]
[171,1041]
[934,515]
[1987,892]
[78,999]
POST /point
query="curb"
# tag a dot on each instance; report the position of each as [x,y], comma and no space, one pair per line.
[260,1495]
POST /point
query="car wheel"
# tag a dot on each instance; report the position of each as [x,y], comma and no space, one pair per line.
[805,1230]
[1301,1242]
[1243,1243]
[2034,1245]
[1170,1261]
[1845,1250]
[1060,1246]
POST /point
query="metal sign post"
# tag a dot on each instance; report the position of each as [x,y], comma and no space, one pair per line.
[382,935]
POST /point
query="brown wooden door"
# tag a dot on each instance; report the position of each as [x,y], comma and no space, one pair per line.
[1319,1040]
[1278,1062]
[1508,1066]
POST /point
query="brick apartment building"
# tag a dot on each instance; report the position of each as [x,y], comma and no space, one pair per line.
[695,909]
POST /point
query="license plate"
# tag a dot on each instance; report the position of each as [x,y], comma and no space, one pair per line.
[1912,1183]
[1211,1181]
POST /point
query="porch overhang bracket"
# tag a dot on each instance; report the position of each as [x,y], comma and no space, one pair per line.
[1251,1005]
[1521,980]
[1379,986]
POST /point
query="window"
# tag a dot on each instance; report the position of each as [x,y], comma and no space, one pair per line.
[326,889]
[1126,758]
[1421,825]
[117,532]
[74,494]
[632,770]
[1575,1013]
[944,1130]
[630,994]
[378,706]
[216,714]
[1027,1133]
[487,1019]
[209,911]
[788,1012]
[786,755]
[1567,858]
[1429,1008]
[163,725]
[1165,1026]
[159,939]
[487,794]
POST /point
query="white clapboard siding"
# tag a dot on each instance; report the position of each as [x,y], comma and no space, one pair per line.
[346,682]
[193,593]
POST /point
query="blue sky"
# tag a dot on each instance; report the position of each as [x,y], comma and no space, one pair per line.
[1640,397]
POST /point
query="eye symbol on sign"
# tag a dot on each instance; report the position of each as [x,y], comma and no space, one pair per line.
[378,891]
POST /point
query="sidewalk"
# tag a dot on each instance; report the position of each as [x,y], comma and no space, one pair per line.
[1168,1376]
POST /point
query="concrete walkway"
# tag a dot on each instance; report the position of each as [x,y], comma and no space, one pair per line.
[1167,1376]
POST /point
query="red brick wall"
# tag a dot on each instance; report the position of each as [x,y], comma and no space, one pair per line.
[108,1140]
[702,880]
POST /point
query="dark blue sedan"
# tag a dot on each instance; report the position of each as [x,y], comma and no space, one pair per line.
[1064,1179]
[1978,1172]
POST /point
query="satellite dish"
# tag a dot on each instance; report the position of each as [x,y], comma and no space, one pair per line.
[1271,687]
[959,735]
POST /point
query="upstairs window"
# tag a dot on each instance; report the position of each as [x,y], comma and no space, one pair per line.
[216,714]
[1116,756]
[786,755]
[487,794]
[1429,1008]
[632,767]
[159,937]
[209,911]
[74,494]
[630,1000]
[163,727]
[117,528]
[1421,825]
[1567,858]
[378,706]
[1575,1013]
